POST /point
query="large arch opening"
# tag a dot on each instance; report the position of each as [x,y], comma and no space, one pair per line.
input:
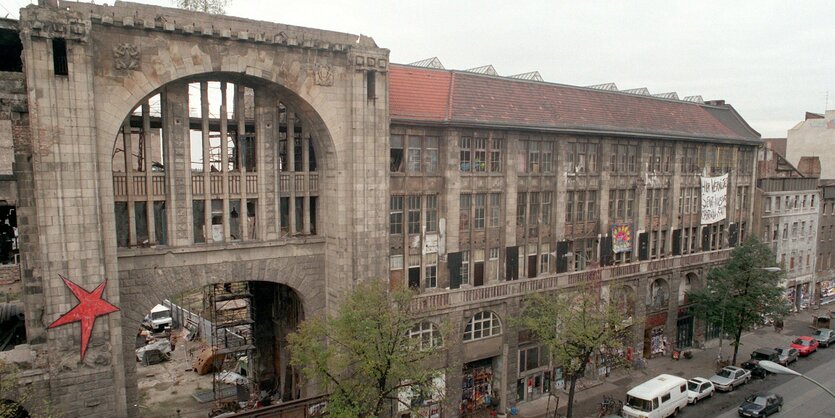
[218,158]
[212,350]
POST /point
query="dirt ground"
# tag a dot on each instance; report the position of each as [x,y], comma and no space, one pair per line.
[167,387]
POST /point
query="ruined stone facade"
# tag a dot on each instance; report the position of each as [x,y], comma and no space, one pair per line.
[87,69]
[343,168]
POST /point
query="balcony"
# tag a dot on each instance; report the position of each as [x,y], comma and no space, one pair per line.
[462,297]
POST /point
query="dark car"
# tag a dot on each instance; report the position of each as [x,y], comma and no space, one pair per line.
[787,355]
[760,405]
[757,356]
[825,336]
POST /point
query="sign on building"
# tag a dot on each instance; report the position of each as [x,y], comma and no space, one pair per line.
[714,198]
[621,237]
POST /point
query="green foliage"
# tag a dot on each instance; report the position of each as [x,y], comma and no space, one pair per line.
[14,395]
[217,7]
[741,293]
[363,355]
[573,327]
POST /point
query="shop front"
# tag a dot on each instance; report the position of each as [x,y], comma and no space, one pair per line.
[827,291]
[655,343]
[534,376]
[684,329]
[477,384]
[424,401]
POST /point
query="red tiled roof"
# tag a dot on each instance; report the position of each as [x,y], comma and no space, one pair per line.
[419,93]
[463,98]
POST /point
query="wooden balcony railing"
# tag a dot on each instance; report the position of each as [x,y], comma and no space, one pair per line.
[459,297]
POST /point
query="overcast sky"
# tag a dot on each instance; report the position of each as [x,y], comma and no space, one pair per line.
[772,60]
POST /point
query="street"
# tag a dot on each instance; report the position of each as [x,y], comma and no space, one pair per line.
[801,398]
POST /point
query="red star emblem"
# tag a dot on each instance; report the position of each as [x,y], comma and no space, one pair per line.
[90,306]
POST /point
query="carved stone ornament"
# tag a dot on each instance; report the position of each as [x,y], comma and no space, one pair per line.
[126,56]
[323,75]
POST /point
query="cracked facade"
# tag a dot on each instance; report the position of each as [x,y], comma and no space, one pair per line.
[168,150]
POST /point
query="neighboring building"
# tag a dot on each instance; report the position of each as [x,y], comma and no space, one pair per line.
[788,205]
[825,270]
[14,130]
[168,151]
[496,180]
[814,136]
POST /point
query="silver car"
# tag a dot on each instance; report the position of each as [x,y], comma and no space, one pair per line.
[730,377]
[825,336]
[787,355]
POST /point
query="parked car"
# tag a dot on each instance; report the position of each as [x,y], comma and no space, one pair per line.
[659,397]
[729,378]
[786,355]
[805,345]
[760,354]
[825,336]
[760,405]
[699,388]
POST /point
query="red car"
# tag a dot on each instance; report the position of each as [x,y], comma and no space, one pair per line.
[805,345]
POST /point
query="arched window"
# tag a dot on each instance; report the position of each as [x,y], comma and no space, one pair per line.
[482,325]
[427,334]
[659,293]
[240,156]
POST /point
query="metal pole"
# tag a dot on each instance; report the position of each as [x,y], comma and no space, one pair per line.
[819,385]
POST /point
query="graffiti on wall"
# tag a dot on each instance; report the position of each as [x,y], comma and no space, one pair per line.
[90,306]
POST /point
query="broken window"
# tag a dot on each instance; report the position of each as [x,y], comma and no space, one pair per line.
[8,235]
[235,219]
[160,224]
[11,49]
[396,154]
[284,209]
[251,204]
[299,214]
[199,217]
[59,56]
[141,222]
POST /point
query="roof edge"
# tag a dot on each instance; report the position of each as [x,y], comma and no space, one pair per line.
[577,131]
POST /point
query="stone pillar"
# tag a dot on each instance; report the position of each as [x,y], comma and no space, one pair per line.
[74,218]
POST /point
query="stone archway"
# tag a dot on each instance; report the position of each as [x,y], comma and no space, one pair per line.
[114,58]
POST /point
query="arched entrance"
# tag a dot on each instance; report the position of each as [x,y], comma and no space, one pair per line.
[177,227]
[205,350]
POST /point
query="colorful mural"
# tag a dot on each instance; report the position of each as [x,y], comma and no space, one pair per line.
[621,237]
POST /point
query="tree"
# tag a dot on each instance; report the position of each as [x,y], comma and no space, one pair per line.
[739,294]
[365,356]
[16,396]
[217,7]
[573,327]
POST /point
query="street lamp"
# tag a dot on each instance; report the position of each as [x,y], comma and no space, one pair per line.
[776,368]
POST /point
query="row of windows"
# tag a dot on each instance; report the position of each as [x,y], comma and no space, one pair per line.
[414,206]
[483,324]
[480,154]
[421,154]
[581,206]
[658,202]
[827,233]
[789,202]
[795,262]
[771,232]
[481,210]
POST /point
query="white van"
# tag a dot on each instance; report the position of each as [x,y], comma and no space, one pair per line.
[159,319]
[659,397]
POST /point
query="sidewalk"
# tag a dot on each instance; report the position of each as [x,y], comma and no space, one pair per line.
[702,364]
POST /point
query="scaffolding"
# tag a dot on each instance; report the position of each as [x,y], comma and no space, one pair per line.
[233,344]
